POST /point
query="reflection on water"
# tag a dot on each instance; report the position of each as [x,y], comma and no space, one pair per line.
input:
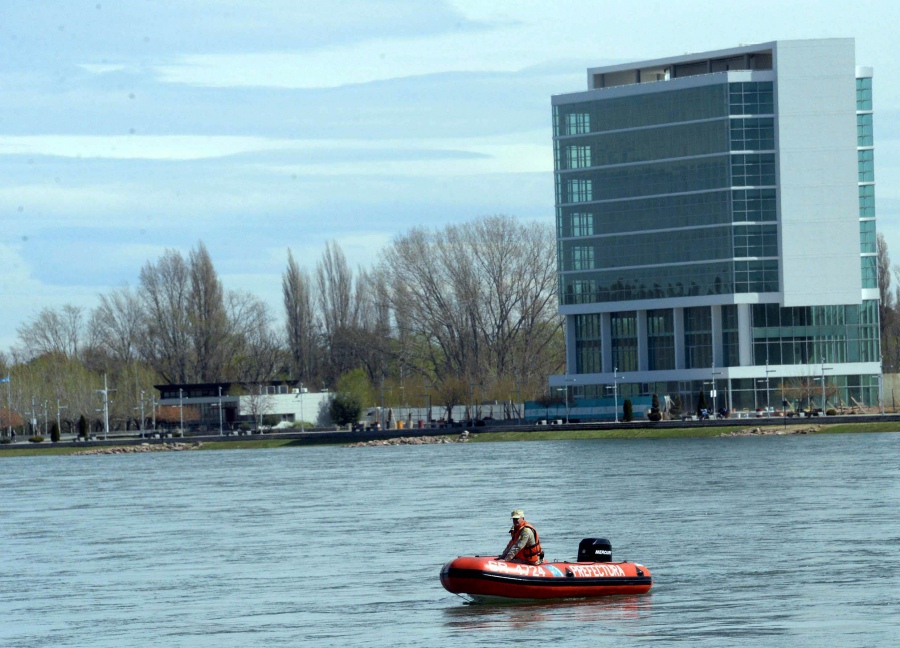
[760,541]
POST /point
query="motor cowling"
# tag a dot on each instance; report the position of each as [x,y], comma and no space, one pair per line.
[594,550]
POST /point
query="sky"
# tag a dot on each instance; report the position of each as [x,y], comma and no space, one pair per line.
[130,127]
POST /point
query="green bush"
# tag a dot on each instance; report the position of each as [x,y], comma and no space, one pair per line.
[654,414]
[54,432]
[5,440]
[82,427]
[627,411]
[345,409]
[831,412]
[37,438]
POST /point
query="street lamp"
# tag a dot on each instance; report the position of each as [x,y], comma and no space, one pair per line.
[714,393]
[824,368]
[220,410]
[105,410]
[615,388]
[768,371]
[58,421]
[566,391]
[300,395]
[181,410]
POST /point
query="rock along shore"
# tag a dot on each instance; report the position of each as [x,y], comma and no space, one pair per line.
[144,447]
[773,431]
[424,440]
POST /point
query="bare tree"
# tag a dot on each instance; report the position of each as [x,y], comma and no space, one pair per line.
[339,311]
[207,317]
[116,325]
[254,350]
[166,292]
[56,332]
[300,325]
[479,300]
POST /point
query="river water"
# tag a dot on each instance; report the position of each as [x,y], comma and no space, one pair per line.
[777,541]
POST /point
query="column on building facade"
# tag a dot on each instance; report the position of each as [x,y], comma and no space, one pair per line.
[642,350]
[571,346]
[745,335]
[678,329]
[718,349]
[606,341]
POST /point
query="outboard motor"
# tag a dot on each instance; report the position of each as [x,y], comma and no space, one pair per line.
[594,550]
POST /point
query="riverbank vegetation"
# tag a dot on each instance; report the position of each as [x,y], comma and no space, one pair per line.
[452,316]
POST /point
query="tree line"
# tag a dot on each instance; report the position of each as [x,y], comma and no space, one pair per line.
[461,314]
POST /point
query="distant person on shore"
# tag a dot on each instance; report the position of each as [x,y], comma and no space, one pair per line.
[525,545]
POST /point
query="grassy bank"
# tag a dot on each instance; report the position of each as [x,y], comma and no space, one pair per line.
[605,432]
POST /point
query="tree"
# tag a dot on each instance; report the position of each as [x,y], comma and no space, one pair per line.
[82,427]
[627,411]
[478,299]
[353,392]
[675,408]
[56,332]
[207,321]
[654,414]
[165,291]
[300,322]
[54,432]
[339,313]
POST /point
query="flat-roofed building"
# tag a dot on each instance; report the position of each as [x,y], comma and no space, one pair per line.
[716,228]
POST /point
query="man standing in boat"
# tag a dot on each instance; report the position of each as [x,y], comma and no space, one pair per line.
[525,545]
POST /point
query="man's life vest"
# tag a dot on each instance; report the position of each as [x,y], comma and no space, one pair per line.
[532,554]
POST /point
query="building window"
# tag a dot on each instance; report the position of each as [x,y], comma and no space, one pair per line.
[753,205]
[588,348]
[577,123]
[753,134]
[751,98]
[578,156]
[751,170]
[698,337]
[583,257]
[866,165]
[815,334]
[660,340]
[582,224]
[624,341]
[869,272]
[579,190]
[864,130]
[867,201]
[731,346]
[867,237]
[755,241]
[864,94]
[755,276]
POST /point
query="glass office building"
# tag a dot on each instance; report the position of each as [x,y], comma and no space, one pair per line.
[716,228]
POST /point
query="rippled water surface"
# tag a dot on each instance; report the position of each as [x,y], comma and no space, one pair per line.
[786,541]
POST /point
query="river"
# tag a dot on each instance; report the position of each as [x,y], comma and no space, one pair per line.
[777,541]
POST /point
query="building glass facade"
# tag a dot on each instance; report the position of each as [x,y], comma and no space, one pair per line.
[670,223]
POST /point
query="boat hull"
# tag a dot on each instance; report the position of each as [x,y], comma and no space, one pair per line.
[484,577]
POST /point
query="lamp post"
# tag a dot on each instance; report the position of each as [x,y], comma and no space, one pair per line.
[181,410]
[105,393]
[824,368]
[301,408]
[58,421]
[220,410]
[142,413]
[565,390]
[714,393]
[615,388]
[768,371]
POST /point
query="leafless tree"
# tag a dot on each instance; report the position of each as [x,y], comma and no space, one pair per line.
[116,325]
[52,331]
[166,292]
[479,299]
[254,349]
[207,317]
[339,311]
[300,325]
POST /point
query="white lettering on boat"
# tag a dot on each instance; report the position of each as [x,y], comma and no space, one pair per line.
[516,569]
[597,570]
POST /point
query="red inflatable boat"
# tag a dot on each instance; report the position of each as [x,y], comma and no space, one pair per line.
[593,575]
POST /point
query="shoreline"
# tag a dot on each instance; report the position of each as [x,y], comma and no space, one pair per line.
[486,436]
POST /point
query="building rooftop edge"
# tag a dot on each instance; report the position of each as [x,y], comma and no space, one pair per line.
[699,56]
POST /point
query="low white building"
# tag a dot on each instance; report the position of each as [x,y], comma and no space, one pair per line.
[205,406]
